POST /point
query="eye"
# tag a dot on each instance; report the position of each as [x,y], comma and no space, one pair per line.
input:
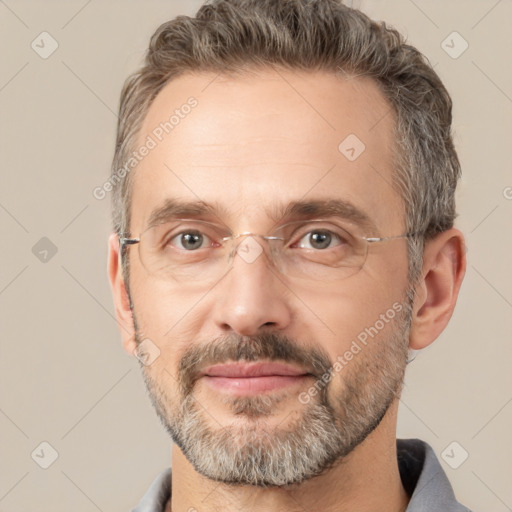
[191,240]
[320,239]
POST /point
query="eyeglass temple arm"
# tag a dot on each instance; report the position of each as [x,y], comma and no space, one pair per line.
[128,241]
[383,239]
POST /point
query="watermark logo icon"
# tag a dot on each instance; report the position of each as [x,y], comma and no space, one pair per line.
[249,250]
[454,455]
[44,250]
[454,45]
[147,352]
[351,147]
[44,45]
[44,455]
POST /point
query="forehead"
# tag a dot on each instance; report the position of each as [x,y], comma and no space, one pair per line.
[259,141]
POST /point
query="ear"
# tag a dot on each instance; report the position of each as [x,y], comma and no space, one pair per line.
[121,300]
[444,266]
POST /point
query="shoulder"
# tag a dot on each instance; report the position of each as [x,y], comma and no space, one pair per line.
[157,495]
[424,479]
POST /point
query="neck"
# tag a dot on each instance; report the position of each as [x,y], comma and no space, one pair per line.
[367,480]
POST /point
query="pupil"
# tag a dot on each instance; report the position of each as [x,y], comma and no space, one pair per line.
[320,240]
[192,240]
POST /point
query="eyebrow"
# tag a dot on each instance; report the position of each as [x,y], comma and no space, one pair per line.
[338,208]
[179,209]
[296,210]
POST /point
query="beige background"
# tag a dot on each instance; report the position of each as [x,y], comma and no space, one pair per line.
[64,377]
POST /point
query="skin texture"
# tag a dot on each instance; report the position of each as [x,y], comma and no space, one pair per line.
[253,141]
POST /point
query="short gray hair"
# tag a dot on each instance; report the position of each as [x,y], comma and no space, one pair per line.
[227,36]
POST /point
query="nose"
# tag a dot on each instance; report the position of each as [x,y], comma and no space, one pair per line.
[253,295]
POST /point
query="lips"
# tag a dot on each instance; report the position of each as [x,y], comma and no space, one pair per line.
[237,370]
[253,378]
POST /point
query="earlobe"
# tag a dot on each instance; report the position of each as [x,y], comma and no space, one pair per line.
[120,295]
[444,266]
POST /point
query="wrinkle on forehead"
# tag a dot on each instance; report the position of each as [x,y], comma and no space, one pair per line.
[249,138]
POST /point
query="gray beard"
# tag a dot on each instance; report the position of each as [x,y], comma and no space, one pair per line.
[332,424]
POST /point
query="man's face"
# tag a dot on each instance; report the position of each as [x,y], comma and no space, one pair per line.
[243,351]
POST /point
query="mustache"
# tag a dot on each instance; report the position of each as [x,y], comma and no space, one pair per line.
[233,347]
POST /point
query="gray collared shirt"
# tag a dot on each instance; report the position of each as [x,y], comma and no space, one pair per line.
[422,477]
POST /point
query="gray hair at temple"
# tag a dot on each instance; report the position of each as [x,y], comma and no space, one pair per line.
[230,36]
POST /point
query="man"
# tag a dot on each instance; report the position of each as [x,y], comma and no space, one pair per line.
[283,212]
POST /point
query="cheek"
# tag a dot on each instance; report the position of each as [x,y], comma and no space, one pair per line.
[163,373]
[171,320]
[353,320]
[161,308]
